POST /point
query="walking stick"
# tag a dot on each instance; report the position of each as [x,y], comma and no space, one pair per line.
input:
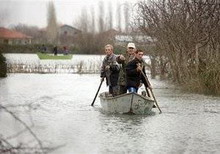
[97,92]
[151,91]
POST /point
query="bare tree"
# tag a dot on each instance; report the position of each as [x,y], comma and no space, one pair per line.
[84,20]
[93,27]
[126,15]
[33,31]
[101,16]
[52,28]
[7,142]
[186,35]
[118,12]
[110,15]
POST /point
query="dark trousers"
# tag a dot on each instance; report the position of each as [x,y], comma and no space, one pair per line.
[122,89]
[113,90]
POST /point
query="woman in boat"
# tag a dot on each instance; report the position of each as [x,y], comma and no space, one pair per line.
[110,70]
[134,71]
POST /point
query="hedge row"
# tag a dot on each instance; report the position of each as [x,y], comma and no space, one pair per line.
[32,48]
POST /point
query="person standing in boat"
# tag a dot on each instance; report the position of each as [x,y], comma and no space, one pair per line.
[123,60]
[134,70]
[110,70]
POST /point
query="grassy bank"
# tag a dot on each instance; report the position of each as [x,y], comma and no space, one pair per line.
[44,56]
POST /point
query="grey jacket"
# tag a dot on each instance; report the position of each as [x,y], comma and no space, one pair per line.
[112,73]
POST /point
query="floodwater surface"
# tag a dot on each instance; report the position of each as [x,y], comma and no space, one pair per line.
[62,117]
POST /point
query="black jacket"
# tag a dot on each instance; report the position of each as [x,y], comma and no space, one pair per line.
[134,77]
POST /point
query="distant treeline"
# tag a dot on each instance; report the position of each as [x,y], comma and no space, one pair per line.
[34,48]
[29,48]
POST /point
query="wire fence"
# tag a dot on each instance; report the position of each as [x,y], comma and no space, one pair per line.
[52,68]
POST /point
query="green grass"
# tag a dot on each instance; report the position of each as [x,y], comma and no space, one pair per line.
[44,56]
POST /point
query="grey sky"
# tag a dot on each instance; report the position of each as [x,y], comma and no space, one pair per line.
[34,12]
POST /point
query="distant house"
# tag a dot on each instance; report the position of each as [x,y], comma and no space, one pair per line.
[123,39]
[68,34]
[8,36]
[68,30]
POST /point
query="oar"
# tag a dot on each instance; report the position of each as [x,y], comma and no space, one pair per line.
[151,91]
[97,92]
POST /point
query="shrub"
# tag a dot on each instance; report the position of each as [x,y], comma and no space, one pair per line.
[211,79]
[3,66]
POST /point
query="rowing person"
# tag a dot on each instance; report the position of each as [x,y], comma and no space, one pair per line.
[110,70]
[134,70]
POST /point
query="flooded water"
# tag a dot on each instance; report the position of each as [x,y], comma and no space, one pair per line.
[30,63]
[63,117]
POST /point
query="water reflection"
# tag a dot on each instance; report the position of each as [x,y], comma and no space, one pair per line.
[190,123]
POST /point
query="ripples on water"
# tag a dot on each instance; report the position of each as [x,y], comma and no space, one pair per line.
[190,123]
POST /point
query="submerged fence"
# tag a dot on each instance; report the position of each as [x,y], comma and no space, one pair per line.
[52,68]
[30,63]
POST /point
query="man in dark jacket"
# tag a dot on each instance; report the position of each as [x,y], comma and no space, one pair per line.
[134,71]
[110,70]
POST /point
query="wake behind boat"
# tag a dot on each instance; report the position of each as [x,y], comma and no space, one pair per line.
[126,103]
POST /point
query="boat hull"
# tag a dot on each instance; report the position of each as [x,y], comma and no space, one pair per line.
[126,103]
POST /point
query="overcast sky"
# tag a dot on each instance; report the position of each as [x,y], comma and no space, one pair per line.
[34,12]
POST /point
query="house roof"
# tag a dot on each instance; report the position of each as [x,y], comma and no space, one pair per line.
[124,38]
[10,34]
[136,38]
[70,27]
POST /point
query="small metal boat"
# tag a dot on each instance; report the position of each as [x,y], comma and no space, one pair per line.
[126,103]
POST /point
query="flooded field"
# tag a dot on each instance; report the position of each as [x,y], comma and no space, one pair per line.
[63,117]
